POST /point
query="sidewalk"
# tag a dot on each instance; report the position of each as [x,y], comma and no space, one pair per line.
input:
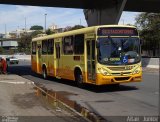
[146,69]
[18,102]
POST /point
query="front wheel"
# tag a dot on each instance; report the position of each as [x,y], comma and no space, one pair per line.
[44,73]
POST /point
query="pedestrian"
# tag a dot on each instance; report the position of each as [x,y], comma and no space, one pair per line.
[4,66]
[1,68]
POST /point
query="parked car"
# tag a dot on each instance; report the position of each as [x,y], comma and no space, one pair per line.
[12,60]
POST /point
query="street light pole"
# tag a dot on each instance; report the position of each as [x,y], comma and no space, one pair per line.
[5,31]
[45,23]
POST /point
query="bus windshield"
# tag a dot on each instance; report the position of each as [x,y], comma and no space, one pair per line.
[119,51]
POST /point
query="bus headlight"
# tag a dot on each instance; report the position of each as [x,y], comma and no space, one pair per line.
[137,71]
[103,71]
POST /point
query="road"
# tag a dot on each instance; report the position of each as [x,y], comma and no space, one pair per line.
[134,99]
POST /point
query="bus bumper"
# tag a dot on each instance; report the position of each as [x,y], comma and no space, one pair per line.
[104,80]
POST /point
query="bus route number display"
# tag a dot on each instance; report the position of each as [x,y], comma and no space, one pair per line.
[117,32]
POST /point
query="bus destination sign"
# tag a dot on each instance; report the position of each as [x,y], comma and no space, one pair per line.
[117,31]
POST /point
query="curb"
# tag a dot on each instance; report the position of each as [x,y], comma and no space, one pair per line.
[60,101]
[152,66]
[148,69]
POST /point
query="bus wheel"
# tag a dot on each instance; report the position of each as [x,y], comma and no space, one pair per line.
[79,79]
[44,73]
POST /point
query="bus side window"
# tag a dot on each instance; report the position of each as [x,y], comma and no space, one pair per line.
[93,49]
[44,47]
[50,46]
[34,44]
[68,45]
[79,44]
[39,50]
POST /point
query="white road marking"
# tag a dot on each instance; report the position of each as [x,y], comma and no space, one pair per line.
[16,82]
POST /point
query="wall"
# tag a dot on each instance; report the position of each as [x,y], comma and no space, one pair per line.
[10,43]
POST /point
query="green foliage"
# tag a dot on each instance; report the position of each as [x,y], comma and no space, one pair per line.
[69,28]
[35,33]
[49,32]
[1,50]
[149,26]
[77,27]
[24,43]
[148,21]
[36,27]
[11,51]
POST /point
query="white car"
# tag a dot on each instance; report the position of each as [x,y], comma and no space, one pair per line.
[12,60]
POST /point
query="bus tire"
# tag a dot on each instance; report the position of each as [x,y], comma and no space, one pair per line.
[44,72]
[79,79]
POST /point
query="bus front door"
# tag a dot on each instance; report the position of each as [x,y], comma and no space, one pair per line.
[57,46]
[91,61]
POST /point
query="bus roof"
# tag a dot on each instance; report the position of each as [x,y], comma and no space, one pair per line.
[78,31]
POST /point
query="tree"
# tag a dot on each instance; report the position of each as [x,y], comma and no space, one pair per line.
[1,50]
[149,26]
[24,43]
[35,33]
[49,32]
[69,28]
[77,27]
[36,27]
[148,21]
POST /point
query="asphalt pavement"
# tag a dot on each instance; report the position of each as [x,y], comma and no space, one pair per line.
[132,99]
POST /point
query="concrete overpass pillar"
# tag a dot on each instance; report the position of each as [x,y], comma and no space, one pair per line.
[108,15]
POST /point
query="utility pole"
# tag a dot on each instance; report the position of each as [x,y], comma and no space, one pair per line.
[45,22]
[25,24]
[5,31]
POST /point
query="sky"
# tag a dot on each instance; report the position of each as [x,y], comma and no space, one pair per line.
[13,16]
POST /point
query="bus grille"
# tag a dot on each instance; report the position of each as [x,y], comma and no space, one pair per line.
[117,68]
[124,73]
[121,78]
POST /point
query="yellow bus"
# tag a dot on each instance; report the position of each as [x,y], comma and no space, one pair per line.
[99,55]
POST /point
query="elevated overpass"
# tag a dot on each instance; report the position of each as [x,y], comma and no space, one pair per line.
[96,11]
